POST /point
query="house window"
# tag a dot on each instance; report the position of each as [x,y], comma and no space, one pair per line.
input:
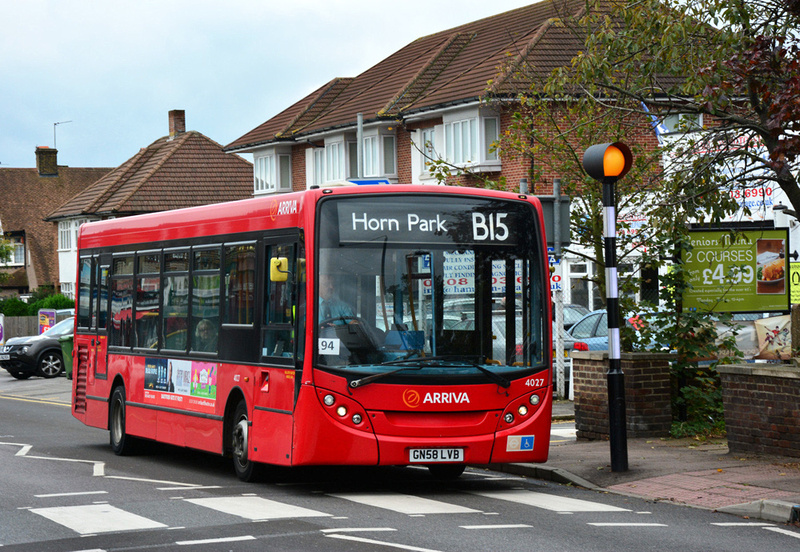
[272,173]
[263,172]
[491,132]
[380,155]
[370,156]
[428,147]
[352,159]
[461,138]
[65,235]
[683,122]
[19,251]
[469,141]
[319,166]
[334,154]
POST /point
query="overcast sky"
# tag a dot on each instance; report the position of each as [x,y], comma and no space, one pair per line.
[114,69]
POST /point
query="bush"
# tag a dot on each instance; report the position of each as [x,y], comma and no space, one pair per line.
[56,301]
[14,306]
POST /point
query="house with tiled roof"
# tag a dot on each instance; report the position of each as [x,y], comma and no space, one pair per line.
[182,169]
[445,97]
[427,100]
[28,196]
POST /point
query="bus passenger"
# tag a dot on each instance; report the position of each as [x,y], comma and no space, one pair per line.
[205,336]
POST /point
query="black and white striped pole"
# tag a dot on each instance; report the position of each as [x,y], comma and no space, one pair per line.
[607,163]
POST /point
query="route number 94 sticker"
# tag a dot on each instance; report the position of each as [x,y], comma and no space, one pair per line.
[328,345]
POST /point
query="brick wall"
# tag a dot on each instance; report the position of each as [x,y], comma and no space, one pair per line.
[762,408]
[647,394]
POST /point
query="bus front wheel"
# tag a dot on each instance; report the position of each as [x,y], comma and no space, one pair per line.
[121,443]
[246,469]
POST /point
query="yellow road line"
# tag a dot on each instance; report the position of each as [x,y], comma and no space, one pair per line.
[34,400]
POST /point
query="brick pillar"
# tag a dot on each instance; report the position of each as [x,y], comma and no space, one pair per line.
[647,394]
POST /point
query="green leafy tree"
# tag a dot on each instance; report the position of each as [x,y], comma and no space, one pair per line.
[726,71]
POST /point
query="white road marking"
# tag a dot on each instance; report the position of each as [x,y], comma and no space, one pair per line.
[215,541]
[96,518]
[405,504]
[783,532]
[563,432]
[77,493]
[549,502]
[98,468]
[381,543]
[255,508]
[743,524]
[628,524]
[508,526]
[358,529]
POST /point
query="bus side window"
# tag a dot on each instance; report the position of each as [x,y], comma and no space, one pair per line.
[280,307]
[121,324]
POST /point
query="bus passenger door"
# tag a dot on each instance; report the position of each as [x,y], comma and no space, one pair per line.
[283,325]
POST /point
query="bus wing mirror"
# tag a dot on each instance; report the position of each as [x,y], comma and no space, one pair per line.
[278,269]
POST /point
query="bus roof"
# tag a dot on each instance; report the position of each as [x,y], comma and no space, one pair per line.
[246,215]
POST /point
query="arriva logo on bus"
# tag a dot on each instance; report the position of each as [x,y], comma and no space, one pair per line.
[288,207]
[412,397]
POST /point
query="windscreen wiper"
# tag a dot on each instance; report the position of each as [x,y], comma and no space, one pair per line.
[432,361]
[369,379]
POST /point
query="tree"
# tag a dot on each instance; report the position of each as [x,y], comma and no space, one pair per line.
[733,62]
[726,71]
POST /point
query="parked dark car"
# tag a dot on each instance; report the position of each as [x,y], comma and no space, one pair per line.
[36,355]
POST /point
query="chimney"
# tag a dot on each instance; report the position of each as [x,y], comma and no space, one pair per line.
[47,161]
[177,123]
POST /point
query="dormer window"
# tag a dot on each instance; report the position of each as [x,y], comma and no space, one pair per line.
[17,255]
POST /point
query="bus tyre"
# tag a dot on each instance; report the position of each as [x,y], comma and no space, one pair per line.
[446,471]
[121,443]
[246,469]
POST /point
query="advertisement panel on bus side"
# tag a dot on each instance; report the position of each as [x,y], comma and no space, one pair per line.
[184,384]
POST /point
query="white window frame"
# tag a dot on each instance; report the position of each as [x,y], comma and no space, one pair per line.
[268,172]
[468,138]
[65,235]
[379,153]
[17,256]
[690,121]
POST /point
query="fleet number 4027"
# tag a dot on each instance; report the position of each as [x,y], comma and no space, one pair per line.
[535,382]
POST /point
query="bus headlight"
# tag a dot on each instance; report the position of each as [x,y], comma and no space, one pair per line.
[509,418]
[534,400]
[522,410]
[329,400]
[356,419]
[342,411]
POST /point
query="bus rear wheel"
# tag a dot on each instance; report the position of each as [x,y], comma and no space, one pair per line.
[121,443]
[246,469]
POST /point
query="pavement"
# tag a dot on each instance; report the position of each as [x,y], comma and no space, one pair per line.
[702,474]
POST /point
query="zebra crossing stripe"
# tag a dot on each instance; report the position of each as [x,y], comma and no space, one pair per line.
[405,504]
[255,508]
[96,518]
[549,502]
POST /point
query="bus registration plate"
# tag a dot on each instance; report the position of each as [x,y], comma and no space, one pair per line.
[436,455]
[5,357]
